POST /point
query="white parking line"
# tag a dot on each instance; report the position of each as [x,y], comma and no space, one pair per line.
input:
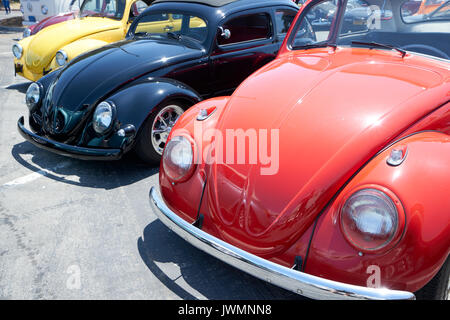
[33,176]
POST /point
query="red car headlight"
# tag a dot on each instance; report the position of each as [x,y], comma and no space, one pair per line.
[178,159]
[370,219]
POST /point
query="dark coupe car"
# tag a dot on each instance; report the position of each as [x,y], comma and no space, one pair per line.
[129,94]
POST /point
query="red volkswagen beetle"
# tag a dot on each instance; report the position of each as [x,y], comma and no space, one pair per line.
[44,23]
[327,172]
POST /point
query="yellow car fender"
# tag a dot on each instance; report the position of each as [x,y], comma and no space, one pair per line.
[78,47]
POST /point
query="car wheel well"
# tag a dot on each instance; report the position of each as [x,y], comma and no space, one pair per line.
[146,153]
[184,102]
[437,288]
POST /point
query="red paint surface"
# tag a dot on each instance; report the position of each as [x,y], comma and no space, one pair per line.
[335,110]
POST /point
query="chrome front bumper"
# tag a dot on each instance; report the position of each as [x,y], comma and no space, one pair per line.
[292,280]
[76,152]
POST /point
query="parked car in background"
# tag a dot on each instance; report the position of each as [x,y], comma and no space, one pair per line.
[321,16]
[360,15]
[72,14]
[128,95]
[37,10]
[69,14]
[327,171]
[100,22]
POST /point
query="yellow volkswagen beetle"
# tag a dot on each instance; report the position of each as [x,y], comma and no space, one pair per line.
[99,22]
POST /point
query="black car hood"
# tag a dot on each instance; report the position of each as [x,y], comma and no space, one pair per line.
[94,75]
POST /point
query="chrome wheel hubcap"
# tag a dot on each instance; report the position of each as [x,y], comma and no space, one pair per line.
[163,124]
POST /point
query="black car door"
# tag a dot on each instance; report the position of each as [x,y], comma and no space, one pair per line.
[244,42]
[195,73]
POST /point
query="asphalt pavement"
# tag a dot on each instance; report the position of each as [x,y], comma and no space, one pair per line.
[72,229]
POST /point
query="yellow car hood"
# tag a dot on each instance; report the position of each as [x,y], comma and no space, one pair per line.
[44,45]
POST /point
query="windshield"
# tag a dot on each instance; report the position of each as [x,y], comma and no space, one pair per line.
[171,24]
[103,8]
[404,25]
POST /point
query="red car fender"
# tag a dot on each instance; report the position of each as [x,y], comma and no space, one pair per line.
[422,184]
[35,28]
[437,120]
[184,197]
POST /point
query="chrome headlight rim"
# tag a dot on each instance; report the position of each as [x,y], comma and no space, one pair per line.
[17,50]
[26,33]
[44,9]
[61,58]
[190,144]
[104,108]
[393,200]
[31,100]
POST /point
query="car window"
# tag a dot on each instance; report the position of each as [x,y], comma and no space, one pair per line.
[371,24]
[245,28]
[315,27]
[164,23]
[425,11]
[356,16]
[103,8]
[284,20]
[137,8]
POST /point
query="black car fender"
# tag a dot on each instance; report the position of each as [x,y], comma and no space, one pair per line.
[46,80]
[136,101]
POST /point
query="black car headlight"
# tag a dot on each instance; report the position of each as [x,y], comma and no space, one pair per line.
[103,117]
[34,95]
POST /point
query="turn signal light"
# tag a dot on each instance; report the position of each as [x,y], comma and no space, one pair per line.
[205,113]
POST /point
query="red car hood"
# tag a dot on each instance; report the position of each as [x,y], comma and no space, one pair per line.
[332,117]
[35,28]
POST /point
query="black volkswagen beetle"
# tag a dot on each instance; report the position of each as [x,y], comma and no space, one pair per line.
[130,93]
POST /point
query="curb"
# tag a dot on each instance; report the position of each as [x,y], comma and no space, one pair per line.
[13,29]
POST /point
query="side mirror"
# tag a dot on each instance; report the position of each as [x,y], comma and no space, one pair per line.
[225,33]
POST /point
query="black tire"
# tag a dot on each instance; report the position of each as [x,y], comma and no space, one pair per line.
[144,147]
[438,287]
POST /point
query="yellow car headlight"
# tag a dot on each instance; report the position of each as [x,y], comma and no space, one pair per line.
[17,50]
[61,58]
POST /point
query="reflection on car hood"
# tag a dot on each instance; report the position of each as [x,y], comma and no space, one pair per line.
[92,76]
[44,45]
[35,28]
[332,117]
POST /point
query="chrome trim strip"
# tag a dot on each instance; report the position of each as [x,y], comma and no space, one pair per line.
[292,280]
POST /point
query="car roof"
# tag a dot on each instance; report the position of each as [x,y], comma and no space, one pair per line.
[209,8]
[212,3]
[231,3]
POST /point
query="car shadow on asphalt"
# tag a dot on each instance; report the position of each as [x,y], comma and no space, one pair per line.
[205,274]
[20,87]
[94,174]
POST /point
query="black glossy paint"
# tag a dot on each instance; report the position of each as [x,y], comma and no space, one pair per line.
[138,74]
